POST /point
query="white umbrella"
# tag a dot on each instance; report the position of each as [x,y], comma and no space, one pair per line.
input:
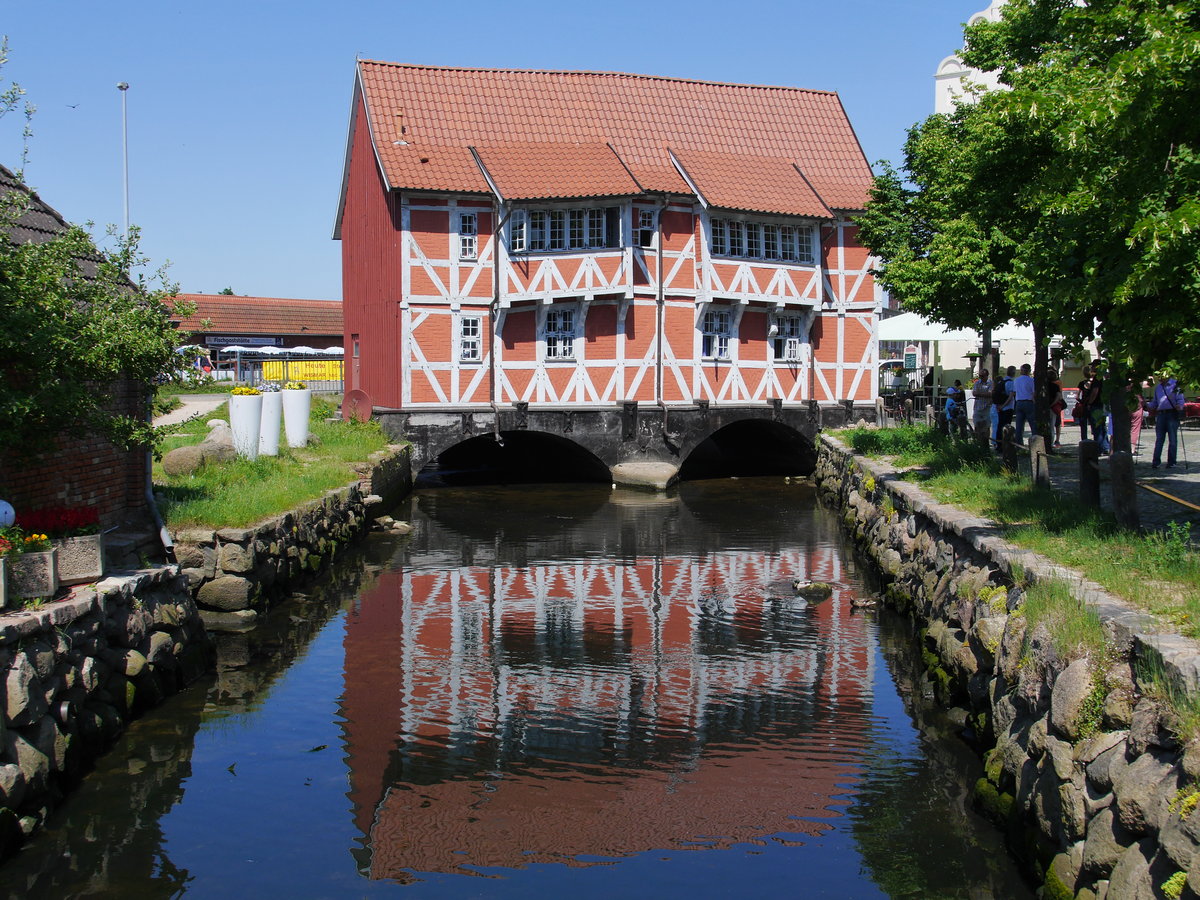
[233,349]
[338,350]
[302,351]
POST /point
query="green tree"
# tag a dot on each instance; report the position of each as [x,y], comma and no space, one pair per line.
[1069,200]
[72,324]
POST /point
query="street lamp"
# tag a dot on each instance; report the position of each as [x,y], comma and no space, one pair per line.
[123,87]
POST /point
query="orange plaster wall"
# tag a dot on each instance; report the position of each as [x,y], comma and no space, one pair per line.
[600,332]
[520,335]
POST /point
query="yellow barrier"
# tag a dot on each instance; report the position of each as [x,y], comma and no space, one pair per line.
[302,369]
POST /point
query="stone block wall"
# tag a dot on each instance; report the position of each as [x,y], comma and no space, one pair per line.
[234,572]
[75,672]
[1084,768]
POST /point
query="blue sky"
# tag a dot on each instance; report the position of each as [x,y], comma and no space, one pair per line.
[238,110]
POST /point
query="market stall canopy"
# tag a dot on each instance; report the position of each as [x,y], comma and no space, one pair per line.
[912,327]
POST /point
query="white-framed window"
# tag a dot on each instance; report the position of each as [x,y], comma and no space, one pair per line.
[754,240]
[645,228]
[737,238]
[470,339]
[595,218]
[559,332]
[576,228]
[720,243]
[558,237]
[518,231]
[786,339]
[537,229]
[763,240]
[468,236]
[770,242]
[715,328]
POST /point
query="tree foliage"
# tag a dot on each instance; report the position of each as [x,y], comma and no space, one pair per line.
[72,324]
[1072,199]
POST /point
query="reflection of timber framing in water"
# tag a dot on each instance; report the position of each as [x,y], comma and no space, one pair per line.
[595,707]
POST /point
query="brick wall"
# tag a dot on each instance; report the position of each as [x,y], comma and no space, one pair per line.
[84,472]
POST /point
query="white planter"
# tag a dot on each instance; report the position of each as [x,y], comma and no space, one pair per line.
[3,583]
[296,407]
[80,559]
[272,412]
[245,421]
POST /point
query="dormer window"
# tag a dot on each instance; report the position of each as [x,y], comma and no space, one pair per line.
[574,228]
[771,241]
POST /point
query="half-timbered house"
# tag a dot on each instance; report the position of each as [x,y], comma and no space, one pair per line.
[582,239]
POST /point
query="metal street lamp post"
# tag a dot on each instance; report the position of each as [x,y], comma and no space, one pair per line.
[123,87]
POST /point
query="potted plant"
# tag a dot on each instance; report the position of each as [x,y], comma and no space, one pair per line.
[245,420]
[297,404]
[32,563]
[75,534]
[272,413]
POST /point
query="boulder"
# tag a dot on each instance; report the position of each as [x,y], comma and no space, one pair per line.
[1072,689]
[217,446]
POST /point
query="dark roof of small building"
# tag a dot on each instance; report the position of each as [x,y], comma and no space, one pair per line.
[230,314]
[37,221]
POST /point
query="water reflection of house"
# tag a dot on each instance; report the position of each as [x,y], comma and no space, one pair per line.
[514,712]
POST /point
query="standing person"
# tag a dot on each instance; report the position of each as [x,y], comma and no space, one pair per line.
[981,390]
[1137,414]
[1167,406]
[1054,394]
[1023,403]
[1097,408]
[1009,407]
[1089,411]
[999,400]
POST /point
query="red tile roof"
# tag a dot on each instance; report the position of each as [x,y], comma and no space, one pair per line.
[424,120]
[762,183]
[262,315]
[537,171]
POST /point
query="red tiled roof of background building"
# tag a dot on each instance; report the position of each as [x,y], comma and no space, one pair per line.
[263,315]
[424,119]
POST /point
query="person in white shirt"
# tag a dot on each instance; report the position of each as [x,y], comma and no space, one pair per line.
[1023,403]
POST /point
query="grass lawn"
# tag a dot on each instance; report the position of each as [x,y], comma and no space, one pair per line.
[1158,572]
[244,492]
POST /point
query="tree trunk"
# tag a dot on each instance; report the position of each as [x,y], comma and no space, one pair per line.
[1041,365]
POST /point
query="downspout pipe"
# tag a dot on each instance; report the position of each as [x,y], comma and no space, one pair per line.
[662,302]
[164,535]
[493,312]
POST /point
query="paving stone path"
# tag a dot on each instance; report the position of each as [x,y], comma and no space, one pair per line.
[1156,511]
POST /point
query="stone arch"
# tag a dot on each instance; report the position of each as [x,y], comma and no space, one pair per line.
[750,446]
[517,455]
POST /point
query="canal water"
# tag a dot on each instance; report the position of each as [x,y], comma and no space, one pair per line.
[549,691]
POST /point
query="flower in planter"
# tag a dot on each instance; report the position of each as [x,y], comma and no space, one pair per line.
[36,542]
[245,391]
[269,387]
[295,386]
[15,541]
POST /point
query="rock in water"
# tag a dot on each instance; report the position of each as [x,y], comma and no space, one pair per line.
[813,590]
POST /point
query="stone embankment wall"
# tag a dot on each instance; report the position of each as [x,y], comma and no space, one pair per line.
[76,672]
[1085,769]
[234,572]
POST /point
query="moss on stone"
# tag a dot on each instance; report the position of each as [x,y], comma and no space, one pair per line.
[1173,887]
[1185,801]
[1054,889]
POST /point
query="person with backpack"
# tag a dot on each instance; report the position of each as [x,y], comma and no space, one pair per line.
[1167,406]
